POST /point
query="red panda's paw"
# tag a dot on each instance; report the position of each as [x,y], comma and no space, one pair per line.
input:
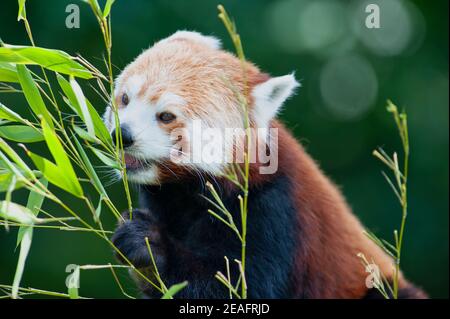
[129,239]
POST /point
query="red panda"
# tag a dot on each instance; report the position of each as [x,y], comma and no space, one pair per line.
[302,241]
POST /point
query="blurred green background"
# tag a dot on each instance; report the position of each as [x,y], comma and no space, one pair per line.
[347,72]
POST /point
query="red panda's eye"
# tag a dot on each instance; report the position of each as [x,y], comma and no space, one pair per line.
[125,99]
[166,117]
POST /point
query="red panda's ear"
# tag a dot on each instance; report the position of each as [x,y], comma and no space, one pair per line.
[269,97]
[209,41]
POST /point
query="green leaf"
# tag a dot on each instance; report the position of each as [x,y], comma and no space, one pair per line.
[85,135]
[17,213]
[92,173]
[32,94]
[54,174]
[107,160]
[107,9]
[25,236]
[67,178]
[55,60]
[7,114]
[99,126]
[100,129]
[87,113]
[21,133]
[68,92]
[95,7]
[7,165]
[16,159]
[174,289]
[98,210]
[55,147]
[7,202]
[81,100]
[8,72]
[24,249]
[34,204]
[5,180]
[21,13]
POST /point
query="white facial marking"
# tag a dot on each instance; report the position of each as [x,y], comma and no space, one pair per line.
[147,176]
[170,102]
[134,84]
[151,142]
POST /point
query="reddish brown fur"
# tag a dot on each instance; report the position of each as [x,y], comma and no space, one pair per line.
[199,74]
[327,265]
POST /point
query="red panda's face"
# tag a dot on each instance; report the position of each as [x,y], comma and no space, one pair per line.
[176,91]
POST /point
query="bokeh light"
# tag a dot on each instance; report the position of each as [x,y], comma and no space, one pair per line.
[319,26]
[348,85]
[401,27]
[323,25]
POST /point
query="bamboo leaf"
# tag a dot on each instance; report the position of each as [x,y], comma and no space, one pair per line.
[98,210]
[5,180]
[92,173]
[10,190]
[16,159]
[8,114]
[107,9]
[32,94]
[91,114]
[21,133]
[107,160]
[21,13]
[174,289]
[54,60]
[85,135]
[10,167]
[62,161]
[52,173]
[34,204]
[96,7]
[8,72]
[81,100]
[17,213]
[100,129]
[24,249]
[70,94]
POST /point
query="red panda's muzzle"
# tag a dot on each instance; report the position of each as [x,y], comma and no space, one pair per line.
[132,162]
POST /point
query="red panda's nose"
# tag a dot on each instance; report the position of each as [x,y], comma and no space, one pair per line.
[127,137]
